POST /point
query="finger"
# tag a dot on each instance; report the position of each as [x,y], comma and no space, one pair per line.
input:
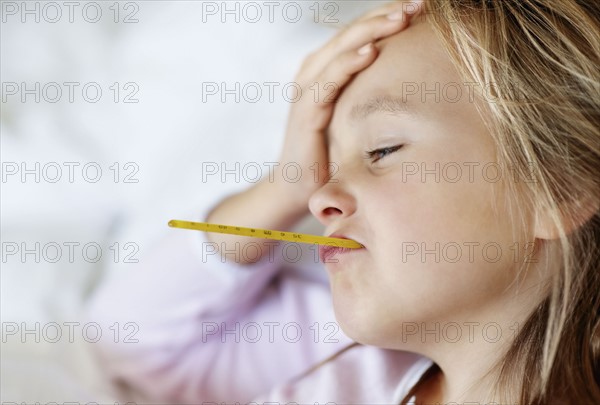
[335,76]
[367,31]
[408,6]
[379,11]
[352,39]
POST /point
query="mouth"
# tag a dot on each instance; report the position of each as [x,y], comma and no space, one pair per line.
[326,252]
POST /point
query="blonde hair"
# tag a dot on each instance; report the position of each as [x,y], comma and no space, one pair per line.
[542,58]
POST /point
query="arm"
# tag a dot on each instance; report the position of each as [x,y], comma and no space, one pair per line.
[204,329]
[267,205]
[180,292]
[280,204]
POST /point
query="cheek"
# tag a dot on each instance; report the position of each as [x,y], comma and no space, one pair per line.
[438,244]
[406,210]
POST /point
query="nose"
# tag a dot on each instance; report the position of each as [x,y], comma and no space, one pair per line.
[332,201]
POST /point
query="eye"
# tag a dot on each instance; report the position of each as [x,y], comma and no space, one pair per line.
[381,153]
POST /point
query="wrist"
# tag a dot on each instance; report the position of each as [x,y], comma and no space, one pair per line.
[285,196]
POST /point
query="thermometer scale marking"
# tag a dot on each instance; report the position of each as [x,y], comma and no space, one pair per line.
[265,234]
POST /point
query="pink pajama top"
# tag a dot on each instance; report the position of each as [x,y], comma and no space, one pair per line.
[196,329]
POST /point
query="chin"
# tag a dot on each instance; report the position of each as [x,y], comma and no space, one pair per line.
[356,321]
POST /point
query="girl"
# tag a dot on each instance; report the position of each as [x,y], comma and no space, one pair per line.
[466,146]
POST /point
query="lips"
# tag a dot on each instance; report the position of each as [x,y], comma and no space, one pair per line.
[326,252]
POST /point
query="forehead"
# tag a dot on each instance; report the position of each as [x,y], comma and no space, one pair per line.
[412,68]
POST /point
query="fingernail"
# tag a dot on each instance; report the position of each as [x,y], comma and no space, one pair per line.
[365,49]
[414,6]
[394,16]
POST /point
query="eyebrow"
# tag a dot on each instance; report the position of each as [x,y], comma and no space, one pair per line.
[383,103]
[378,104]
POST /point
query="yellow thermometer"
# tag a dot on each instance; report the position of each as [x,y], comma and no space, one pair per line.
[265,234]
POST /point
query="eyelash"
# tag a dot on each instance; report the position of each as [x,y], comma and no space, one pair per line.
[390,149]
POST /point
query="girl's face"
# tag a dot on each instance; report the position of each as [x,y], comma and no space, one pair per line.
[439,247]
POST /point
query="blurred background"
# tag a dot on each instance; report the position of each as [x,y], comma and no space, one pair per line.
[114,115]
